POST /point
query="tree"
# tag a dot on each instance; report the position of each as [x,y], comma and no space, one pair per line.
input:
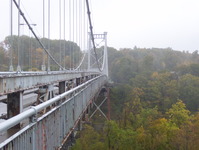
[187,138]
[132,107]
[89,140]
[147,64]
[124,69]
[162,132]
[178,114]
[189,91]
[118,138]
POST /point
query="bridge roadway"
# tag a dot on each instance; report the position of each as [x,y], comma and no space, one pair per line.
[64,112]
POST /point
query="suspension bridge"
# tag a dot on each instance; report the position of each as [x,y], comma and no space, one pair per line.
[41,109]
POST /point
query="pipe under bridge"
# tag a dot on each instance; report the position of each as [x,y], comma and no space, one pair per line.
[49,124]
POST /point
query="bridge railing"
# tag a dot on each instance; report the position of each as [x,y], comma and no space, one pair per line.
[49,130]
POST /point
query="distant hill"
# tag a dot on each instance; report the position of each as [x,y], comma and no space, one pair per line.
[127,63]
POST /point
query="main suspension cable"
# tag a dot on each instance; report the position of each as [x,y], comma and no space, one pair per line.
[92,36]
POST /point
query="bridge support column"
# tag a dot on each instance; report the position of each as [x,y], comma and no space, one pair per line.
[80,124]
[104,93]
[14,105]
[85,116]
[108,104]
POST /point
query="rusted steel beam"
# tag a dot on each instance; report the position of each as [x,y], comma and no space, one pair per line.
[10,83]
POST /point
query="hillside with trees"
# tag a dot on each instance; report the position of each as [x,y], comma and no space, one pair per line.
[154,102]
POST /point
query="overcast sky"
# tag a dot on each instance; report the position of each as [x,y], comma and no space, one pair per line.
[129,23]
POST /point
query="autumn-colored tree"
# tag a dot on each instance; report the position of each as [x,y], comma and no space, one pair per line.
[132,107]
[162,131]
[178,114]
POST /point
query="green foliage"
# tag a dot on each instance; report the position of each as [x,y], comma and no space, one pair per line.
[127,63]
[192,69]
[146,117]
[128,69]
[178,114]
[159,89]
[151,132]
[161,131]
[189,91]
[89,140]
[132,107]
[117,138]
[119,96]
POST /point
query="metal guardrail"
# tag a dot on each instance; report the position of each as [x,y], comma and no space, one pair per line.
[49,130]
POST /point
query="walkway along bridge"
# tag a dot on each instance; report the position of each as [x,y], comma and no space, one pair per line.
[64,96]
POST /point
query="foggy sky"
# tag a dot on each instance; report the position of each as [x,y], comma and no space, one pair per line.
[129,23]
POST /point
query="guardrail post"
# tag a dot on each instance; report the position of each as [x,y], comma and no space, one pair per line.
[33,119]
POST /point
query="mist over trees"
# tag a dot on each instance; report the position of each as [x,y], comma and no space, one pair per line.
[154,102]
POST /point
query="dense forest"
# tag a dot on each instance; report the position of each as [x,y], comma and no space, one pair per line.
[154,95]
[154,102]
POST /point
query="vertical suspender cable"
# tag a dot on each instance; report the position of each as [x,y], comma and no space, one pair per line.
[80,24]
[87,28]
[76,30]
[60,33]
[79,28]
[73,34]
[31,48]
[70,34]
[76,22]
[43,57]
[84,26]
[21,48]
[18,49]
[64,35]
[48,33]
[11,36]
[29,51]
